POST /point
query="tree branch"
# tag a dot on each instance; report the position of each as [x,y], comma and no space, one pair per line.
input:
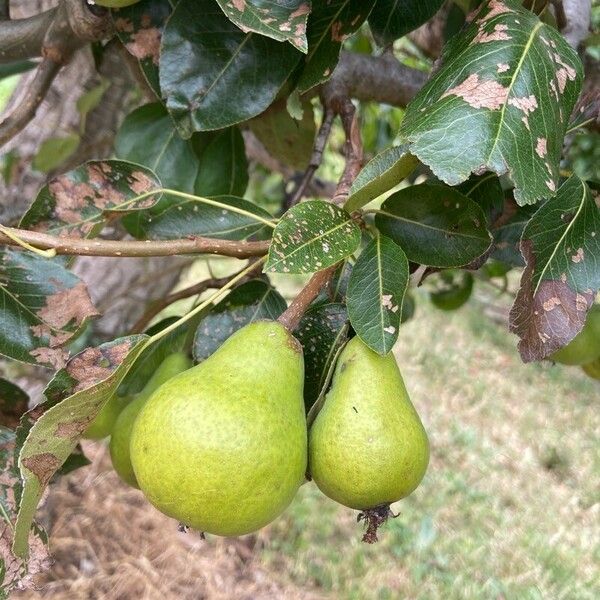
[118,248]
[293,313]
[24,38]
[4,10]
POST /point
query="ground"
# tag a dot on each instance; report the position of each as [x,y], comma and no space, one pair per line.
[509,509]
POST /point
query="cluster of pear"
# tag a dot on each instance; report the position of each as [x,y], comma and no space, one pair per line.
[584,349]
[223,446]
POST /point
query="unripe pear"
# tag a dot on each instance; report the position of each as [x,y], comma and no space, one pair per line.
[222,447]
[584,348]
[592,369]
[121,435]
[115,3]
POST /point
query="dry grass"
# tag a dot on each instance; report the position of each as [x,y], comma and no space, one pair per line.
[510,507]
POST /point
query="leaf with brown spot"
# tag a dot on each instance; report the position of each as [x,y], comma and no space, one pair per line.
[44,306]
[507,80]
[79,203]
[556,290]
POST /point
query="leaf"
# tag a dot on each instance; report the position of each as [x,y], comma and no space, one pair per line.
[312,236]
[16,67]
[83,387]
[76,204]
[487,192]
[501,102]
[193,218]
[329,24]
[321,331]
[376,291]
[507,237]
[392,19]
[249,302]
[44,306]
[223,167]
[54,152]
[284,137]
[379,175]
[140,28]
[561,247]
[212,74]
[13,403]
[90,100]
[148,137]
[282,20]
[435,225]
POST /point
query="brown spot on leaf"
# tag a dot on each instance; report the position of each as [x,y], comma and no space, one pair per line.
[145,44]
[337,34]
[56,357]
[72,429]
[527,103]
[123,25]
[480,94]
[43,466]
[578,256]
[498,34]
[495,8]
[502,67]
[541,147]
[72,305]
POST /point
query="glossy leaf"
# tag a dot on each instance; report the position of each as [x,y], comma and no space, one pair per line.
[140,28]
[393,19]
[322,331]
[192,217]
[55,151]
[380,174]
[282,20]
[487,191]
[223,167]
[212,74]
[500,102]
[329,23]
[507,237]
[43,306]
[561,247]
[284,137]
[376,291]
[83,387]
[311,236]
[435,225]
[253,300]
[76,204]
[148,137]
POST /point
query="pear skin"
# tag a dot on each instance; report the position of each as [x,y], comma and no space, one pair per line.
[592,369]
[222,447]
[121,434]
[584,348]
[367,445]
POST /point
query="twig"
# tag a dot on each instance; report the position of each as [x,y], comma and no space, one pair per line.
[24,38]
[292,315]
[193,290]
[4,10]
[315,159]
[118,248]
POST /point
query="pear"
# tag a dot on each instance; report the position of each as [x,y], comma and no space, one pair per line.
[592,369]
[367,445]
[222,447]
[121,434]
[585,346]
[105,420]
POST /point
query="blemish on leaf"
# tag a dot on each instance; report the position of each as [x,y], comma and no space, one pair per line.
[43,466]
[541,147]
[578,256]
[498,34]
[145,44]
[480,93]
[72,305]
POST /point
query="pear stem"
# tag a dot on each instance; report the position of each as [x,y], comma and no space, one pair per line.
[374,518]
[292,315]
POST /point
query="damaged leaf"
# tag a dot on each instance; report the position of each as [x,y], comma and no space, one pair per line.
[78,203]
[501,101]
[561,248]
[44,306]
[282,20]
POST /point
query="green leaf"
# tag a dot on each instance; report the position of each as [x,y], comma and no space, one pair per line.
[76,203]
[561,247]
[487,191]
[15,68]
[435,225]
[507,237]
[329,24]
[192,217]
[54,151]
[256,299]
[376,291]
[148,137]
[43,306]
[83,388]
[140,28]
[322,331]
[223,167]
[13,403]
[282,20]
[87,102]
[501,102]
[393,19]
[312,236]
[284,137]
[380,174]
[212,74]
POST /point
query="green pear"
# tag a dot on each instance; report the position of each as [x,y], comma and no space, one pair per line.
[105,420]
[367,445]
[593,369]
[115,3]
[222,447]
[585,346]
[121,434]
